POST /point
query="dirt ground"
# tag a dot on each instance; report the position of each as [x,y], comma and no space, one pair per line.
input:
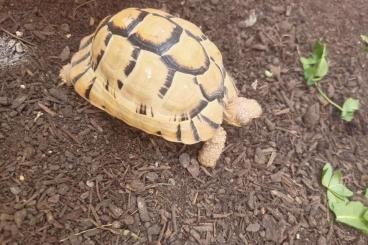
[67,168]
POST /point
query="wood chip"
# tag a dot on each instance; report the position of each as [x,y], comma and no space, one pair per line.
[142,209]
[4,101]
[281,195]
[272,158]
[46,109]
[281,112]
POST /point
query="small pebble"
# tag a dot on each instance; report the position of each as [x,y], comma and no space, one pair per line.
[15,190]
[19,48]
[312,115]
[65,53]
[116,211]
[90,183]
[142,208]
[128,220]
[184,160]
[19,216]
[65,27]
[116,224]
[152,176]
[254,227]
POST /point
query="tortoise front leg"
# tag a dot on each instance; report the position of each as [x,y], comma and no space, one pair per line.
[212,149]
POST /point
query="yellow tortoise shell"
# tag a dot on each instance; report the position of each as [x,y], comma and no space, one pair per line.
[155,72]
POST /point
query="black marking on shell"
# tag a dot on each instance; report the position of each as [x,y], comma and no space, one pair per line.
[135,22]
[142,109]
[135,53]
[136,40]
[219,94]
[107,38]
[168,82]
[195,80]
[211,123]
[117,30]
[222,70]
[159,133]
[107,85]
[152,114]
[88,42]
[195,131]
[103,107]
[204,37]
[189,33]
[226,93]
[178,133]
[102,52]
[168,16]
[198,109]
[171,62]
[88,90]
[79,76]
[98,59]
[183,117]
[81,59]
[102,24]
[129,68]
[121,31]
[120,84]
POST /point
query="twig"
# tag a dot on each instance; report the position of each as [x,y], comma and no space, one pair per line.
[46,109]
[173,217]
[81,5]
[104,227]
[16,37]
[73,137]
[82,232]
[161,233]
[98,191]
[326,97]
[154,168]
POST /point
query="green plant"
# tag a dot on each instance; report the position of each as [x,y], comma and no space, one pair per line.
[268,74]
[352,213]
[365,41]
[315,69]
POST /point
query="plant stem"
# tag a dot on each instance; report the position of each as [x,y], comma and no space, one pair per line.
[326,97]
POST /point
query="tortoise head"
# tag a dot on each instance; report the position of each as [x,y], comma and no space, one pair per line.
[239,111]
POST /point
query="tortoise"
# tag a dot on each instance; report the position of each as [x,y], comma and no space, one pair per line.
[161,74]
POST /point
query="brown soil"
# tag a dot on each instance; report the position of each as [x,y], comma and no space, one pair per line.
[66,167]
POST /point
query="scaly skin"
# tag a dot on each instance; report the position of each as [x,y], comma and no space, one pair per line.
[238,112]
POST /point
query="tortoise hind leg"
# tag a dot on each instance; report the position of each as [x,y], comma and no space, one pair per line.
[212,149]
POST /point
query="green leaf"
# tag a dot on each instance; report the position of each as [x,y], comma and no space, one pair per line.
[364,39]
[326,175]
[348,109]
[366,193]
[268,74]
[353,214]
[337,192]
[365,215]
[337,187]
[315,67]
